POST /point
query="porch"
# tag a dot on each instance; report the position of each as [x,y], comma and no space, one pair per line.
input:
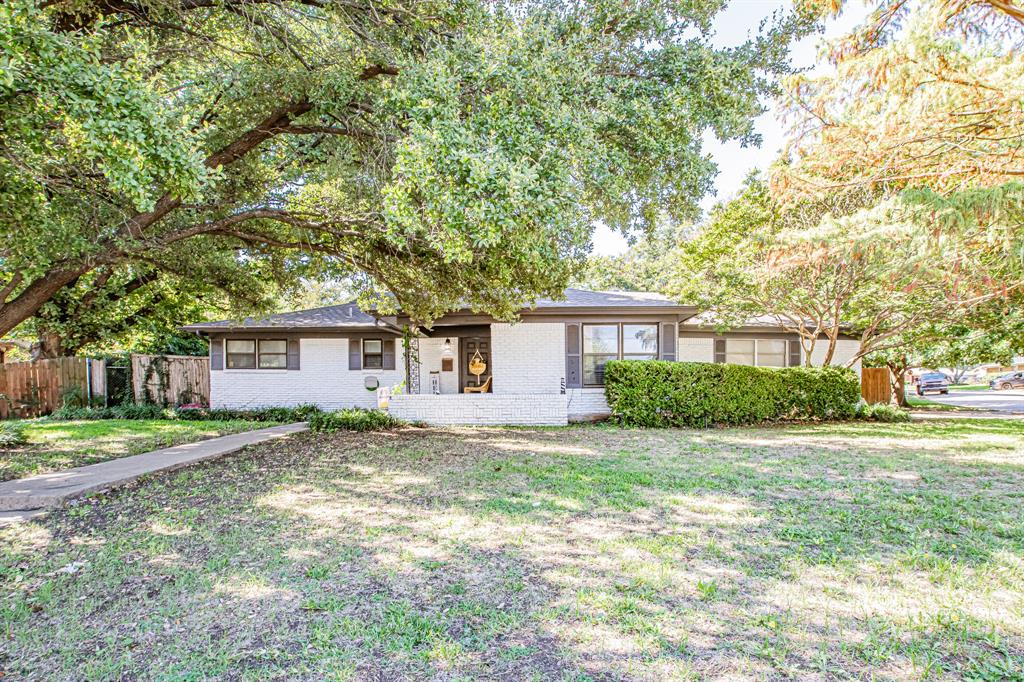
[483,409]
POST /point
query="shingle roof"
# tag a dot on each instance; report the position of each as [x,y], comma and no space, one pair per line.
[349,316]
[346,316]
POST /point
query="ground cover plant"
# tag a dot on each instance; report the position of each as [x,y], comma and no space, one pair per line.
[817,551]
[52,445]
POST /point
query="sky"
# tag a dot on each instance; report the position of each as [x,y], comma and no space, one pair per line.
[739,21]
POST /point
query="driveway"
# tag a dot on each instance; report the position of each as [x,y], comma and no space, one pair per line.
[997,401]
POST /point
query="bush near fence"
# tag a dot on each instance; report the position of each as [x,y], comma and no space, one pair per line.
[696,394]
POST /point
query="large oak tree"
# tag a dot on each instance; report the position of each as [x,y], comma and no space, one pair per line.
[439,152]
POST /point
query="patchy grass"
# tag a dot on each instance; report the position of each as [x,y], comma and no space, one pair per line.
[56,445]
[835,551]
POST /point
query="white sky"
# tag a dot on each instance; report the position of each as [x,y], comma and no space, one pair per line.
[739,21]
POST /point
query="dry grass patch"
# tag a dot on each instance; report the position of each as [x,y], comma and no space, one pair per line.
[816,552]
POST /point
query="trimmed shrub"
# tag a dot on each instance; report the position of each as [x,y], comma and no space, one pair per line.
[353,419]
[699,394]
[187,413]
[12,434]
[879,412]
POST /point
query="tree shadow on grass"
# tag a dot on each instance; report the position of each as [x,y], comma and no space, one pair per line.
[503,554]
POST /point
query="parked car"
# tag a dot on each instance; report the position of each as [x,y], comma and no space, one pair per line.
[1006,381]
[933,381]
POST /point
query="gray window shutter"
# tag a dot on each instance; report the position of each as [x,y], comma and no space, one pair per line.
[388,349]
[795,354]
[573,360]
[293,353]
[355,354]
[719,350]
[216,354]
[667,341]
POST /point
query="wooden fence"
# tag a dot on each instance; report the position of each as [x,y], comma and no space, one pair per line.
[171,379]
[32,389]
[875,386]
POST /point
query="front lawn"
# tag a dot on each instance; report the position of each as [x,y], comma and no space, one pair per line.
[837,551]
[56,445]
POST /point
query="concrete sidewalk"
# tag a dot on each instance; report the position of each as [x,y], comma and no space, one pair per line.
[27,497]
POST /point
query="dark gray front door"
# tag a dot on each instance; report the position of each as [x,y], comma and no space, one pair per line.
[469,346]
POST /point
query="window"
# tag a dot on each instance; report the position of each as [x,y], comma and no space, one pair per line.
[242,354]
[604,342]
[771,353]
[760,352]
[739,351]
[640,341]
[373,354]
[273,354]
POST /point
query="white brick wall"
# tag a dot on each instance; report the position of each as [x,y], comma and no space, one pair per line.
[323,378]
[481,409]
[587,404]
[693,349]
[430,361]
[528,357]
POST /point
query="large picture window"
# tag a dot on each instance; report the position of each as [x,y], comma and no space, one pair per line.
[604,342]
[253,354]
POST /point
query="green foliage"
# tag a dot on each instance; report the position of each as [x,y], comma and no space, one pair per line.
[353,420]
[12,434]
[879,412]
[694,394]
[445,153]
[151,411]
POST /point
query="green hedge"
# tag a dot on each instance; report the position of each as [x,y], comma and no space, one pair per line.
[700,394]
[150,411]
[354,419]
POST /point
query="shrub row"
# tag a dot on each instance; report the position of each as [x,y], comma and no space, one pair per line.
[698,394]
[353,420]
[343,420]
[187,413]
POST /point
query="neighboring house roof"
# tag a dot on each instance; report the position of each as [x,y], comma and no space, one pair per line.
[708,320]
[348,316]
[583,298]
[344,316]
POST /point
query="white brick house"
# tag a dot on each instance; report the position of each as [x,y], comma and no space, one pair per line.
[547,368]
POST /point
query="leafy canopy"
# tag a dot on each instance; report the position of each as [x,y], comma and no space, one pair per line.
[438,153]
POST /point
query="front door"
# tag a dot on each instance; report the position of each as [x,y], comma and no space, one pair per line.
[469,346]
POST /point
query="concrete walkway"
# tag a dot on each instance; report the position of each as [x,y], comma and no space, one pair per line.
[27,497]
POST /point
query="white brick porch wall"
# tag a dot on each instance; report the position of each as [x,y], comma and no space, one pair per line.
[430,361]
[528,357]
[323,378]
[487,409]
[693,349]
[587,404]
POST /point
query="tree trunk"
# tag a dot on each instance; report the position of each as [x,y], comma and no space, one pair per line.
[898,370]
[49,346]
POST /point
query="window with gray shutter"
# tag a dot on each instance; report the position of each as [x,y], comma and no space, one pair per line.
[573,368]
[720,350]
[667,346]
[795,353]
[293,354]
[355,354]
[216,354]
